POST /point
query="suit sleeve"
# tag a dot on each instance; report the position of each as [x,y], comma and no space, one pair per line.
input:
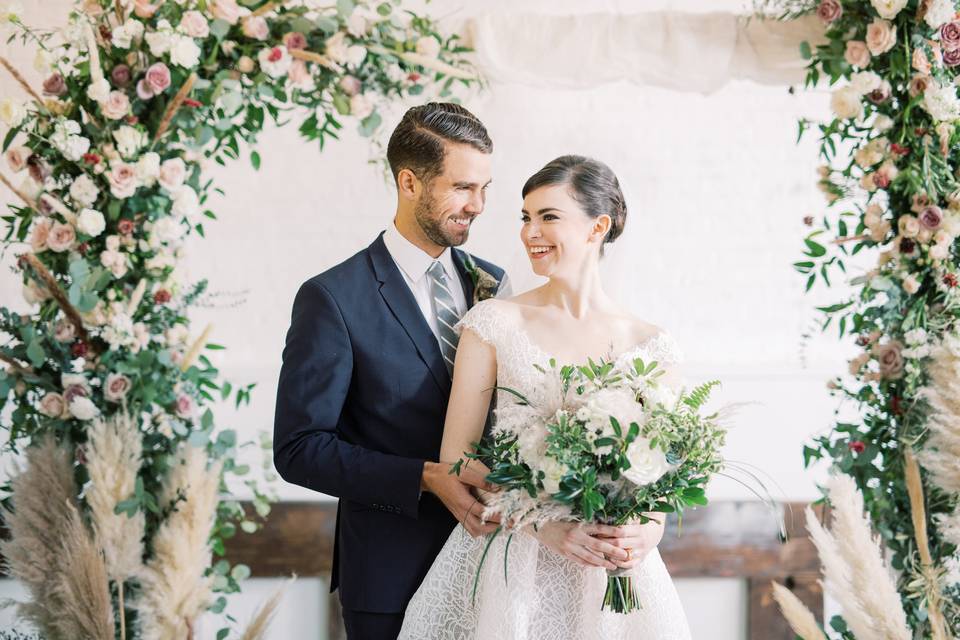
[313,387]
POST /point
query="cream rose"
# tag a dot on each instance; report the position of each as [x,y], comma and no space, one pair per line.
[647,464]
[428,46]
[857,54]
[845,103]
[83,191]
[82,408]
[130,140]
[226,10]
[888,9]
[910,284]
[184,52]
[194,24]
[172,174]
[12,112]
[256,27]
[881,36]
[909,226]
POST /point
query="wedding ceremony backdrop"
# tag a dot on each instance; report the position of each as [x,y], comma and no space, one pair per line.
[793,210]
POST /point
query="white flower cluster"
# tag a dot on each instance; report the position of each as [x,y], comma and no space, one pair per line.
[67,140]
[180,47]
[917,345]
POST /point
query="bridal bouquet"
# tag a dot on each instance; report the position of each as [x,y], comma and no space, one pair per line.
[602,444]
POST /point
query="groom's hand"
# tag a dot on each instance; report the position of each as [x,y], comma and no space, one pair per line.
[454,492]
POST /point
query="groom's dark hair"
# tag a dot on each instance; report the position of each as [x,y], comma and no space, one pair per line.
[418,141]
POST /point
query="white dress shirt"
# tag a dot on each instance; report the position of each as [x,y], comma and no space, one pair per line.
[413,263]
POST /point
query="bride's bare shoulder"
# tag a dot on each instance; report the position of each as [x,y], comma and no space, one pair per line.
[642,330]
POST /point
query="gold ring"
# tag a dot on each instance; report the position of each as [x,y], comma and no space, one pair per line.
[629,551]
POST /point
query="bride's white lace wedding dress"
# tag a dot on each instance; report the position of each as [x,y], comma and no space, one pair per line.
[543,596]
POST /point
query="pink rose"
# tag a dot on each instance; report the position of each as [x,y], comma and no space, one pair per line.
[184,408]
[123,180]
[881,36]
[931,217]
[157,79]
[951,57]
[144,9]
[116,387]
[53,405]
[890,358]
[75,391]
[61,237]
[939,252]
[226,10]
[17,158]
[256,27]
[909,226]
[64,331]
[919,61]
[950,35]
[857,54]
[39,234]
[350,85]
[829,10]
[294,40]
[298,74]
[116,106]
[55,85]
[194,24]
[172,174]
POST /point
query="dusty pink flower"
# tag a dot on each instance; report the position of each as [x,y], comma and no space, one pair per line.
[39,234]
[890,358]
[294,40]
[931,217]
[918,85]
[121,75]
[116,387]
[298,73]
[226,10]
[116,106]
[172,174]
[857,54]
[185,407]
[17,158]
[61,237]
[829,10]
[53,405]
[55,85]
[951,57]
[950,35]
[64,331]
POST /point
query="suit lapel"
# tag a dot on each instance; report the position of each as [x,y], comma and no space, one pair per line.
[459,261]
[403,305]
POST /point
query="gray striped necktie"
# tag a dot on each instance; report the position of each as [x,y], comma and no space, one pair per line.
[447,315]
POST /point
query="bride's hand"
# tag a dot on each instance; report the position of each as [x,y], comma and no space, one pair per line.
[640,539]
[577,542]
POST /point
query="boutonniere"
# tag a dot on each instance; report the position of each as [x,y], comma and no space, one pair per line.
[484,284]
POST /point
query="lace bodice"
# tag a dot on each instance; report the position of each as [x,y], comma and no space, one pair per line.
[517,352]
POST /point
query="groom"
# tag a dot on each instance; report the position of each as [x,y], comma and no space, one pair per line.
[367,370]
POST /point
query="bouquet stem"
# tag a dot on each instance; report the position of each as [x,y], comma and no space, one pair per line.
[621,595]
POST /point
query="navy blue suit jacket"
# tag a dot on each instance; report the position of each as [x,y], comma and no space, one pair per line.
[360,407]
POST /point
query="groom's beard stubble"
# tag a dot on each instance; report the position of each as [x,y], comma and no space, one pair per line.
[426,216]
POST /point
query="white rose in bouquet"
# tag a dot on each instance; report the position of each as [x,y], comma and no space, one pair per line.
[184,52]
[845,103]
[82,408]
[941,102]
[90,222]
[647,464]
[618,402]
[83,191]
[888,9]
[130,140]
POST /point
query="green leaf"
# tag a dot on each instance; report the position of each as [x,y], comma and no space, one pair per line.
[345,8]
[805,51]
[816,249]
[255,160]
[219,28]
[9,137]
[369,124]
[240,572]
[36,353]
[341,103]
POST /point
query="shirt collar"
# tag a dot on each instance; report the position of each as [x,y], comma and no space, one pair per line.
[413,260]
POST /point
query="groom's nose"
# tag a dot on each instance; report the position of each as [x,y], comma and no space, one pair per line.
[476,202]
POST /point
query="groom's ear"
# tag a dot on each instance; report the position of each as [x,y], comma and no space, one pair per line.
[408,184]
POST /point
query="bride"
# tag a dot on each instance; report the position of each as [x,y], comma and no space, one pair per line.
[547,583]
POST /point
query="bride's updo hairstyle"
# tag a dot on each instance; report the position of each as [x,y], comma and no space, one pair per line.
[591,183]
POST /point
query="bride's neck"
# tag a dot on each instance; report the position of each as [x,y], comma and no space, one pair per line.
[578,294]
